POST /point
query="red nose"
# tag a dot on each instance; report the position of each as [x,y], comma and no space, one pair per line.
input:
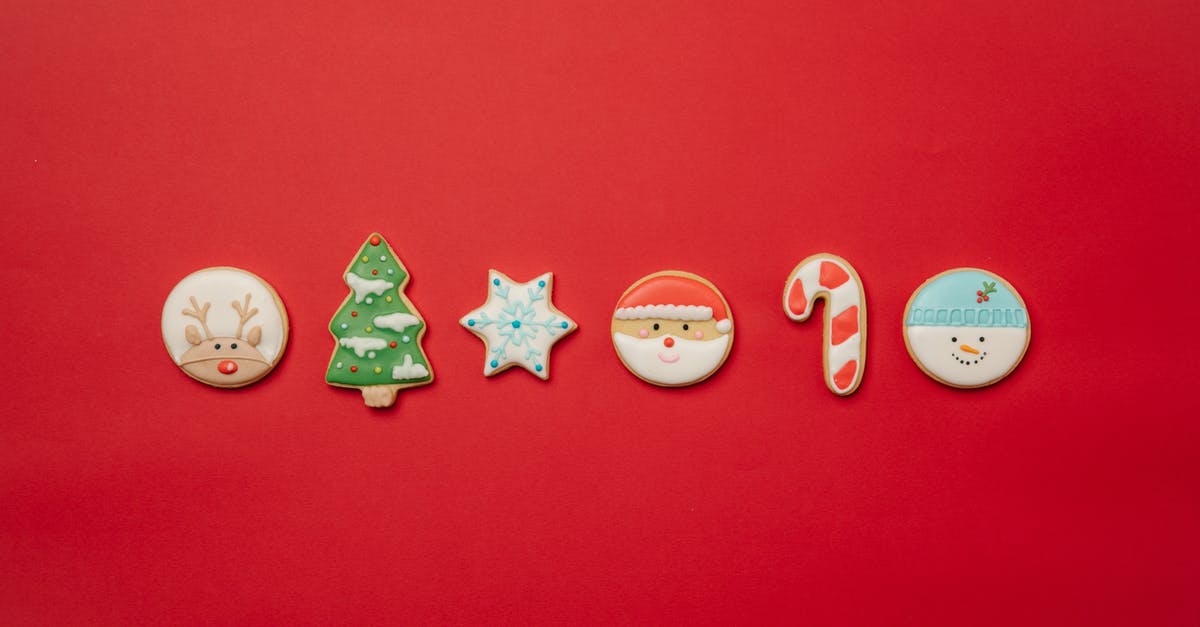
[669,342]
[227,367]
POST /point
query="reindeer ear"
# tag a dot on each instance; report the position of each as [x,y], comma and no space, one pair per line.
[192,335]
[254,336]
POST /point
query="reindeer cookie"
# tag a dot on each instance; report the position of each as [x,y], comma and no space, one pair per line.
[225,327]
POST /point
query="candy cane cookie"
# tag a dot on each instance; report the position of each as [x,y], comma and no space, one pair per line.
[844,351]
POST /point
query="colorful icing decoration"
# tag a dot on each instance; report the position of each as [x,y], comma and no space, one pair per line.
[672,329]
[518,324]
[844,351]
[966,327]
[377,337]
[225,327]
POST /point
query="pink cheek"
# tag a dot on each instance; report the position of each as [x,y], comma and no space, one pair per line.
[643,333]
[699,335]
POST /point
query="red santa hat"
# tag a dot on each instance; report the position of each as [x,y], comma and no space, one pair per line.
[674,297]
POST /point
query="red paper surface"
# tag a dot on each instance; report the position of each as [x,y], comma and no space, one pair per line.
[1052,143]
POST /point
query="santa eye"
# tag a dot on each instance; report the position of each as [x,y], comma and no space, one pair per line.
[685,327]
[655,326]
[234,345]
[216,347]
[953,339]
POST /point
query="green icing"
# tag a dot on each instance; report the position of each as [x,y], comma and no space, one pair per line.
[356,326]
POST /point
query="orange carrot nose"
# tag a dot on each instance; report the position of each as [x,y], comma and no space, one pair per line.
[968,349]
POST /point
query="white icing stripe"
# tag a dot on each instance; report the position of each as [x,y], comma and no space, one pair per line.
[837,301]
[360,345]
[409,370]
[362,286]
[665,312]
[395,321]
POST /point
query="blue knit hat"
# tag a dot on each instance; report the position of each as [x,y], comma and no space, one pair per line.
[966,298]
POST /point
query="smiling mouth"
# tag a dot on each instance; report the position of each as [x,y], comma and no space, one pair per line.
[968,362]
[668,359]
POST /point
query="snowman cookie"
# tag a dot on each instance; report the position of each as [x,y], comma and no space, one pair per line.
[225,327]
[672,329]
[966,327]
[518,324]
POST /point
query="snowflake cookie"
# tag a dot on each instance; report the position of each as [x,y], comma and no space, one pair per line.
[518,324]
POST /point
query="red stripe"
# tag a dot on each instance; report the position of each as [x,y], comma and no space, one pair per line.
[797,302]
[832,275]
[843,326]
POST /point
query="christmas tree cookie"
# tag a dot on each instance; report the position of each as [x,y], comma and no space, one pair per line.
[377,331]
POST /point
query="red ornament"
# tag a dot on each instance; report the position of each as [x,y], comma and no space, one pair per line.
[375,240]
[354,314]
[374,272]
[353,368]
[393,345]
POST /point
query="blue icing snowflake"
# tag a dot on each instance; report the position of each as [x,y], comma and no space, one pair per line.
[518,324]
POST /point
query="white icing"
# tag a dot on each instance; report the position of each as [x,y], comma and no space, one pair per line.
[665,312]
[837,301]
[361,345]
[395,321]
[533,312]
[409,370]
[691,360]
[999,353]
[725,326]
[220,287]
[362,287]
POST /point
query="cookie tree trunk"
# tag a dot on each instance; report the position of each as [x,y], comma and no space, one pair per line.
[377,330]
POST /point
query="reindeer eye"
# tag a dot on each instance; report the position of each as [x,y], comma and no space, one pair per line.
[233,346]
[216,347]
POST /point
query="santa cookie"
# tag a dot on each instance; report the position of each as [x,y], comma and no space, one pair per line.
[672,328]
[225,327]
[966,328]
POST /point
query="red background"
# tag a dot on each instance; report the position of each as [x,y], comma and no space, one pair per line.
[1055,145]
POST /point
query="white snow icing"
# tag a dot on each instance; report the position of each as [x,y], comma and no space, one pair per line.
[362,286]
[395,321]
[360,345]
[409,370]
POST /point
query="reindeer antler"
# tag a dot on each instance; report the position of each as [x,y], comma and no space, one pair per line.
[244,313]
[199,313]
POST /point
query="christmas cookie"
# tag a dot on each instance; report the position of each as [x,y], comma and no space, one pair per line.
[844,351]
[966,327]
[225,327]
[377,331]
[518,324]
[672,328]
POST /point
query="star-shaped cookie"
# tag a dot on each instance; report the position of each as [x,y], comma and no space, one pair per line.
[518,324]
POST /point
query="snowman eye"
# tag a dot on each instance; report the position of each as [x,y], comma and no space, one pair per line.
[981,338]
[655,326]
[685,327]
[953,339]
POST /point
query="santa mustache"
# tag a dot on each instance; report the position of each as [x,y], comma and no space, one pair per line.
[683,361]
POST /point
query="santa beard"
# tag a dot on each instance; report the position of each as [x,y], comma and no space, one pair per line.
[690,360]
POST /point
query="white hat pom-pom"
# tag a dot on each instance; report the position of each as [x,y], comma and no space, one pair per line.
[725,326]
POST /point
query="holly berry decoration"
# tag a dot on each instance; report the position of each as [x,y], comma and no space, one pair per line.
[982,294]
